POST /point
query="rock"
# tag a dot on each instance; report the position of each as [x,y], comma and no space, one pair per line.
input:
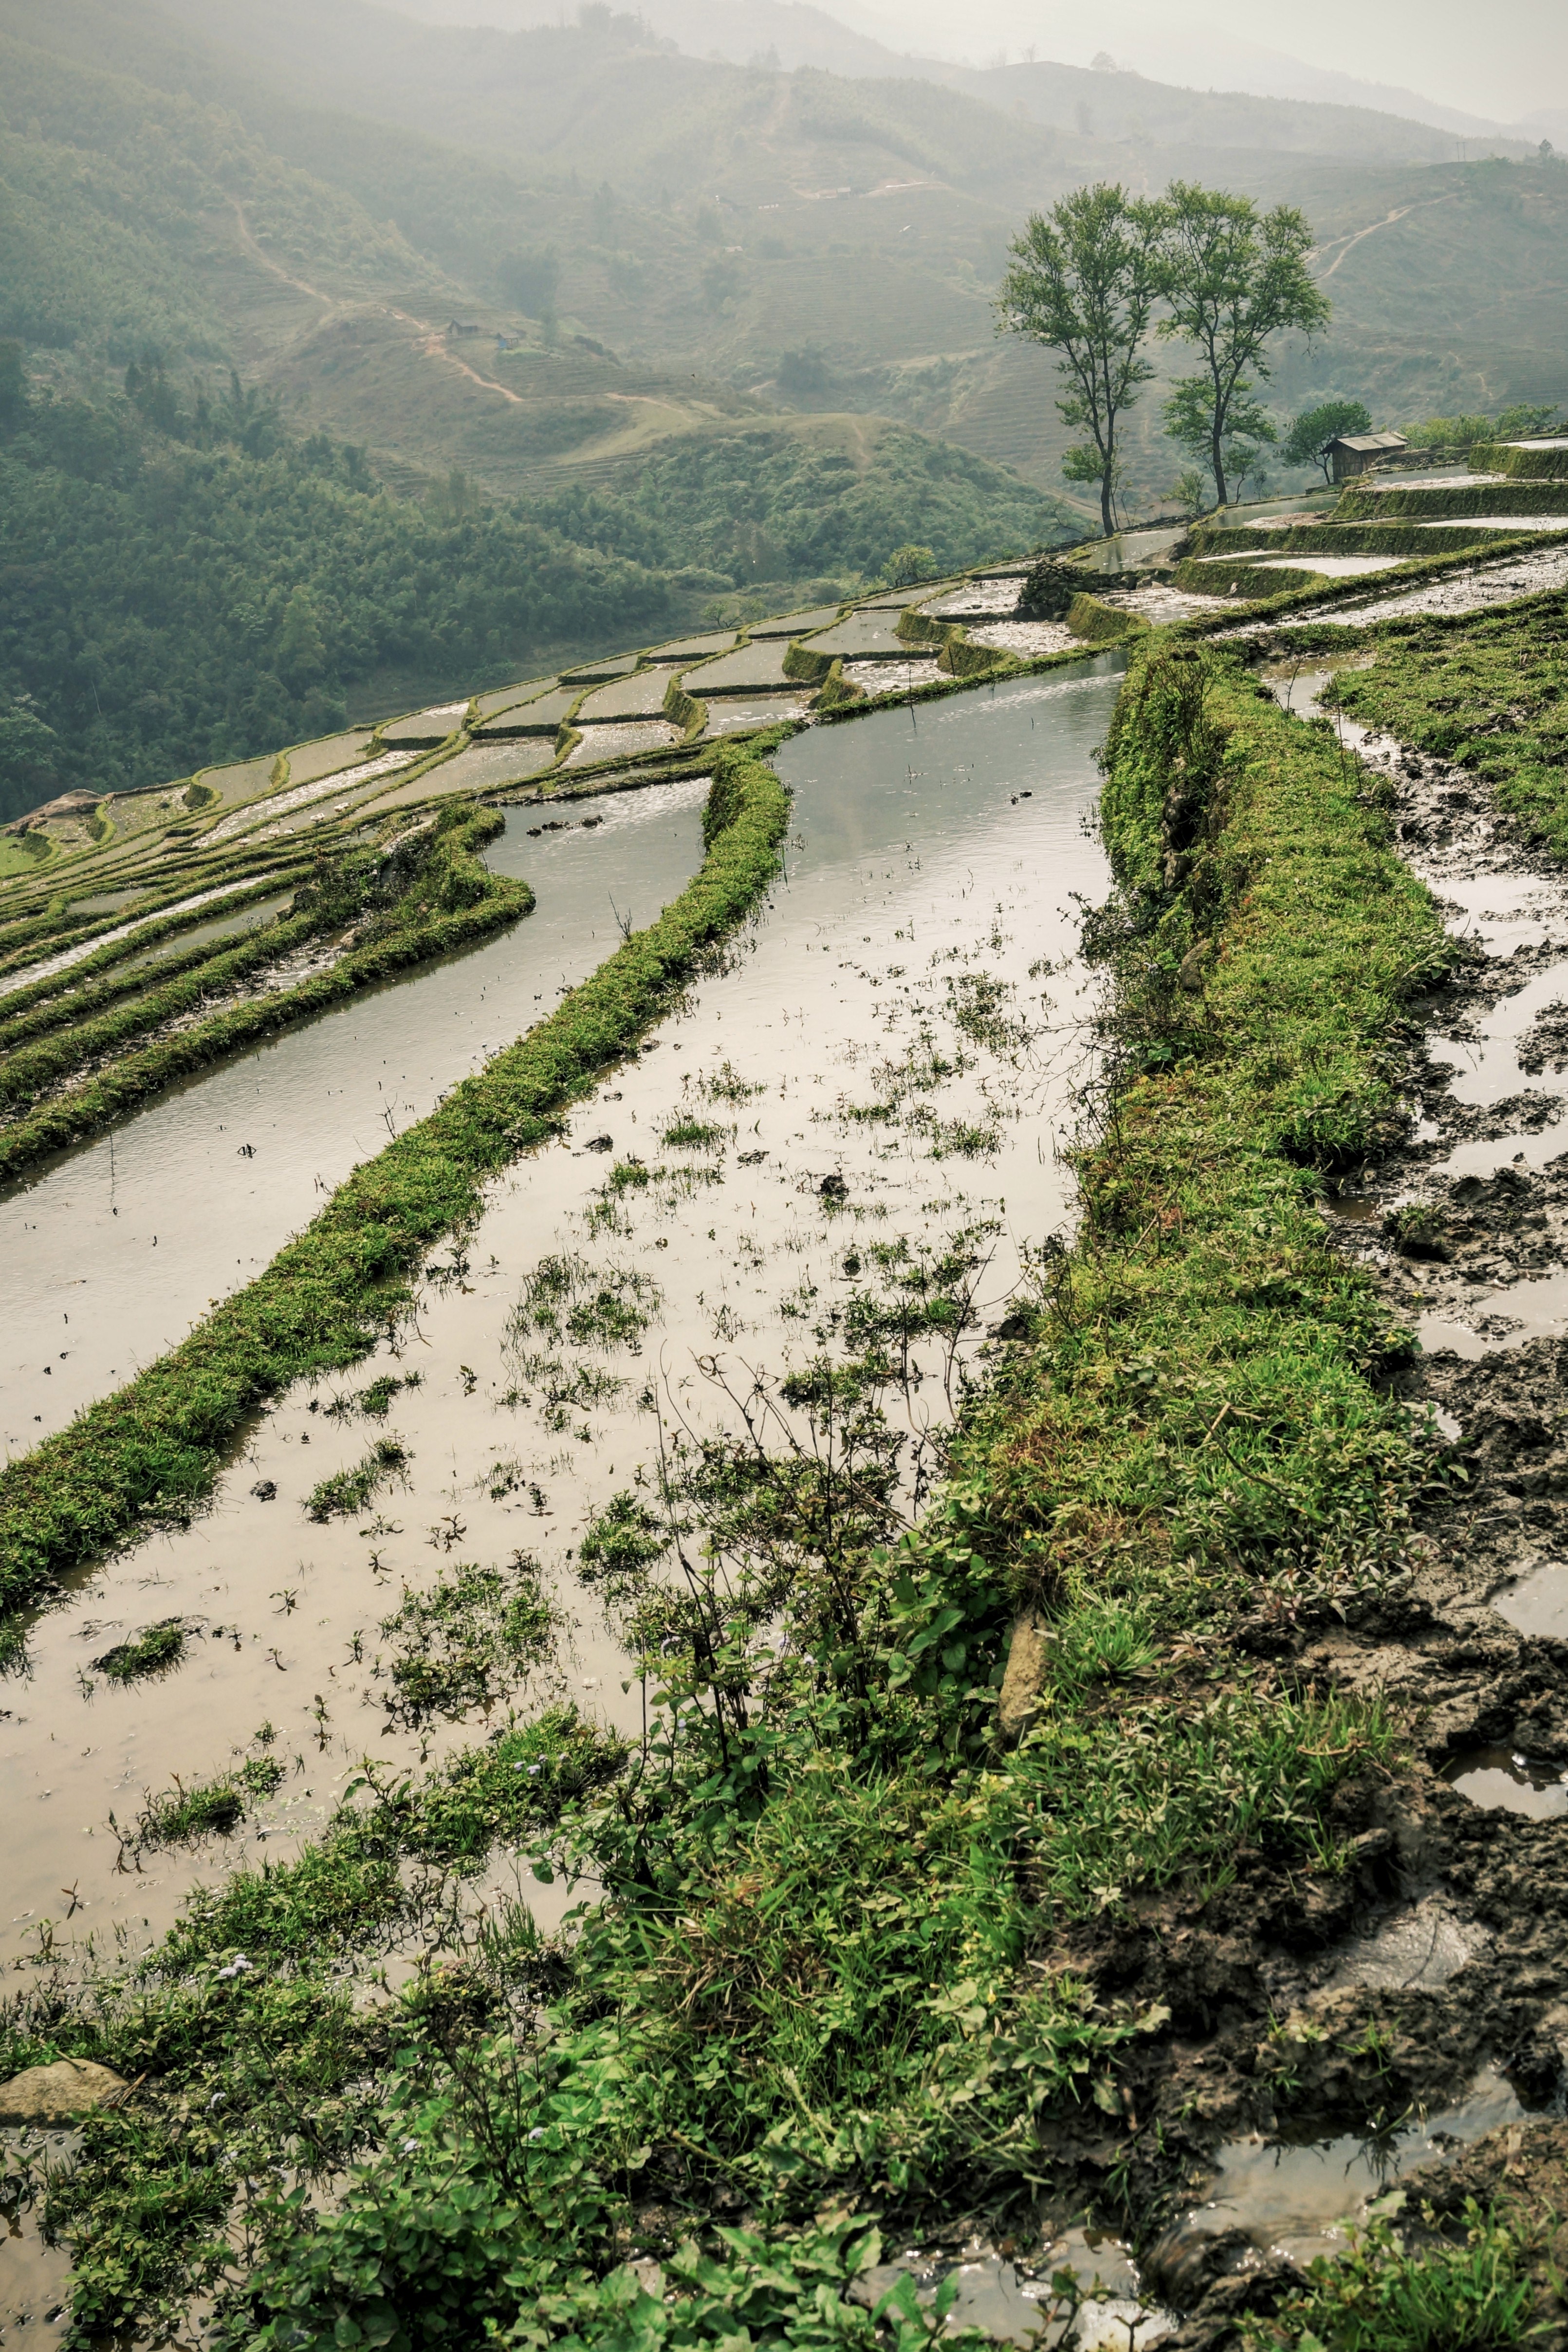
[59,2093]
[834,1188]
[1024,1678]
[1190,975]
[599,1143]
[266,1490]
[1048,591]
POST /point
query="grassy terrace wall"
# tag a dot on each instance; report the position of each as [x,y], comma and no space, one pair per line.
[450,902]
[1357,536]
[1522,463]
[858,1954]
[155,1448]
[1242,580]
[1480,498]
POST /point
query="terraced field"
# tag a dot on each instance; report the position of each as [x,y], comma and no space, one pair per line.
[106,928]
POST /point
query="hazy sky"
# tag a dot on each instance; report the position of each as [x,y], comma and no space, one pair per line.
[1503,61]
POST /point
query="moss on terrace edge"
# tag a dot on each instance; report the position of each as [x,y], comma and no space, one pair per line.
[452,902]
[856,1963]
[155,1448]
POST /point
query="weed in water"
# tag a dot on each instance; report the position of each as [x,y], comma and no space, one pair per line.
[463,1644]
[152,1651]
[207,1808]
[348,1491]
[1430,2295]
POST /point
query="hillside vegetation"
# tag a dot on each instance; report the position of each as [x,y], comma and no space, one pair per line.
[209,586]
[823,243]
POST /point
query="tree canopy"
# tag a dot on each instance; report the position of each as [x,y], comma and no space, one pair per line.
[1233,280]
[1083,281]
[1306,442]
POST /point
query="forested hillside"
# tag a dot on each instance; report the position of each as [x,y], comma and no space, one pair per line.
[192,571]
[185,584]
[691,297]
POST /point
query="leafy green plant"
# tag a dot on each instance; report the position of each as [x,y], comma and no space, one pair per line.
[207,1808]
[1426,2293]
[348,1491]
[467,1641]
[152,1651]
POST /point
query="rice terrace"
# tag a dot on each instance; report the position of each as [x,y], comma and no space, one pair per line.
[783,1003]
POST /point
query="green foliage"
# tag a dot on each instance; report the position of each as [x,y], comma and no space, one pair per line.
[154,1450]
[1490,692]
[152,1651]
[908,563]
[621,1545]
[171,603]
[1233,279]
[1082,282]
[1450,432]
[1304,444]
[27,755]
[1431,2294]
[760,506]
[467,1641]
[207,1808]
[348,1491]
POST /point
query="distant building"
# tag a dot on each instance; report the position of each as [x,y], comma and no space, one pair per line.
[1353,453]
[462,327]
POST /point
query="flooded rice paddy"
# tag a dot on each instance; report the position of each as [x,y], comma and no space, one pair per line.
[858,1110]
[111,1252]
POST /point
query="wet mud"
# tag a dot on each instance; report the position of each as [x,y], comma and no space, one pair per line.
[1408,2025]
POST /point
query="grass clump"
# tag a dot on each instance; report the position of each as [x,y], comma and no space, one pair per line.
[154,1450]
[463,1644]
[693,1135]
[208,1808]
[1431,2294]
[154,1651]
[348,1491]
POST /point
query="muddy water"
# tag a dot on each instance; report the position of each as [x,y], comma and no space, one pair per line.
[111,1252]
[1299,2199]
[903,1023]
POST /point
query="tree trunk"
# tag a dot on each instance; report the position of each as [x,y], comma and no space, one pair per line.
[1107,522]
[1220,490]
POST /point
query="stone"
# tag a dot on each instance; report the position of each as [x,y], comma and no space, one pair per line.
[1193,966]
[60,2093]
[1025,1677]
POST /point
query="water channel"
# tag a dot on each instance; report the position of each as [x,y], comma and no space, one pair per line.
[903,1026]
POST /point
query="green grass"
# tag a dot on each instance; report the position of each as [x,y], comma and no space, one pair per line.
[452,901]
[152,1651]
[154,1450]
[1485,690]
[348,1491]
[463,1644]
[1382,2294]
[207,1808]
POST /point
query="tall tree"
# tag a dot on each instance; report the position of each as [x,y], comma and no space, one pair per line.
[1233,278]
[1083,281]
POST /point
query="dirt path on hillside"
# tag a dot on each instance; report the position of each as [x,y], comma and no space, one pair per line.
[274,269]
[1358,237]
